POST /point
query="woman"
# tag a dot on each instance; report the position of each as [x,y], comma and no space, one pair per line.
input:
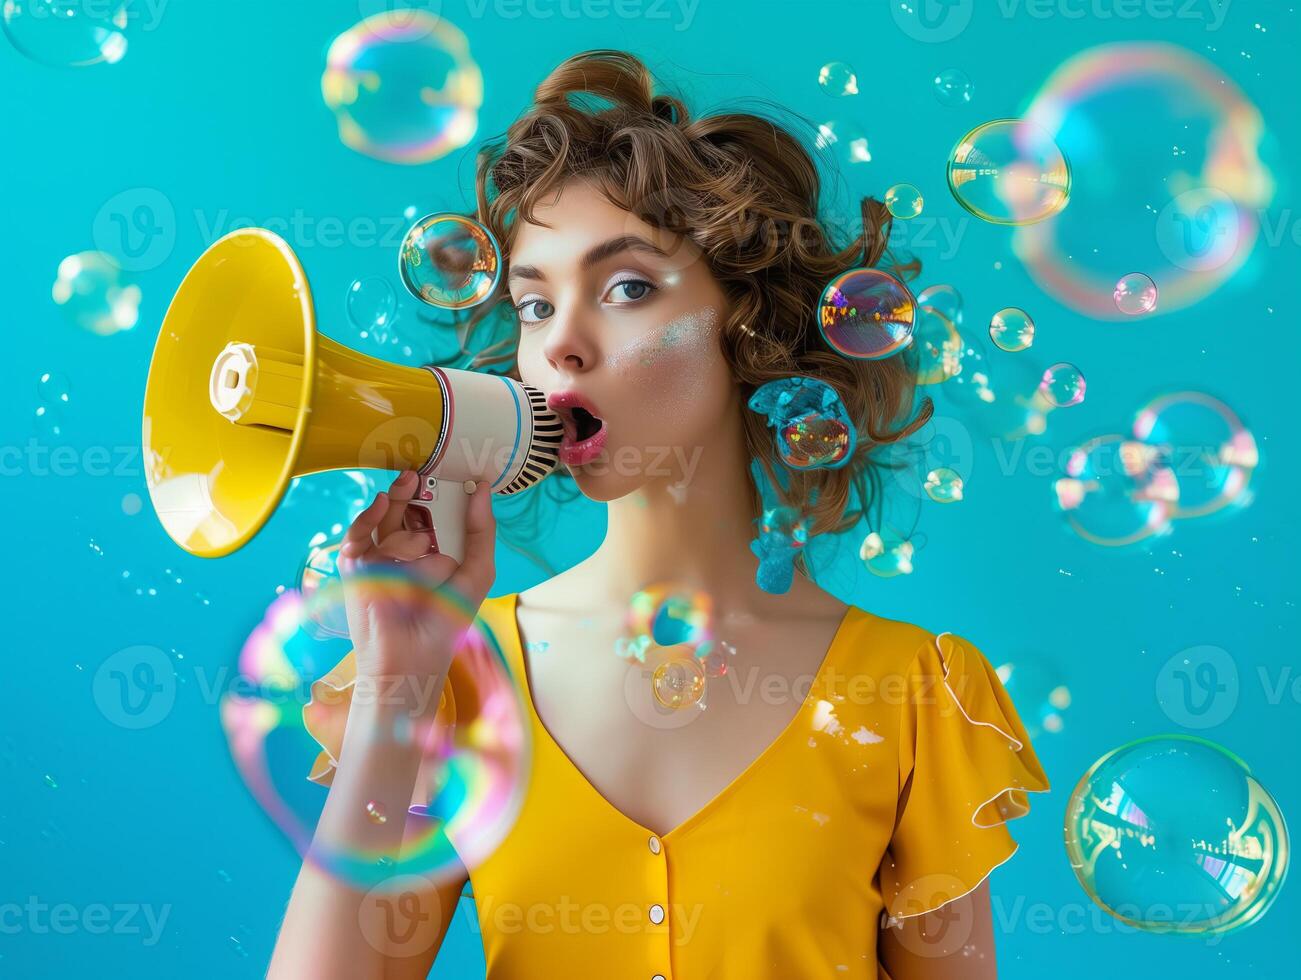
[835,809]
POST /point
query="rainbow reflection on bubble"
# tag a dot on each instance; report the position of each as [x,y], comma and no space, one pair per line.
[1174,834]
[866,314]
[282,726]
[1009,172]
[1211,452]
[449,261]
[403,87]
[1117,491]
[903,201]
[670,614]
[813,429]
[1135,294]
[1118,110]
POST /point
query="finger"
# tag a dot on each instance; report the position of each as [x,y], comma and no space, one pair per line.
[404,545]
[478,568]
[402,490]
[358,538]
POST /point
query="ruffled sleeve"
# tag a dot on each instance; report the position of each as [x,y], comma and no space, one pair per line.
[966,767]
[325,715]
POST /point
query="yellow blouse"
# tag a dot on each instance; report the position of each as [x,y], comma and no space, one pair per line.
[886,795]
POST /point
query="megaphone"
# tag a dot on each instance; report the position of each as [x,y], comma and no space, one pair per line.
[244,395]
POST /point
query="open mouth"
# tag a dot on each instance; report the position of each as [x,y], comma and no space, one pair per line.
[586,424]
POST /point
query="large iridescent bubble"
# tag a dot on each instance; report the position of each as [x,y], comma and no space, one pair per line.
[286,705]
[813,429]
[866,313]
[403,87]
[1009,172]
[1189,224]
[1210,451]
[1175,834]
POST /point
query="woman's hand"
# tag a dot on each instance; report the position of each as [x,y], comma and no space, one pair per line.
[413,640]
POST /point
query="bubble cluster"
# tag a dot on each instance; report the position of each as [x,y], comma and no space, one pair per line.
[1174,834]
[838,79]
[1011,329]
[403,87]
[1135,294]
[68,35]
[903,201]
[813,429]
[672,615]
[474,752]
[1189,223]
[953,87]
[1009,172]
[866,313]
[95,294]
[449,261]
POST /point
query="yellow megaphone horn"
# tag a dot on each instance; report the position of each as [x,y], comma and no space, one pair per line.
[244,395]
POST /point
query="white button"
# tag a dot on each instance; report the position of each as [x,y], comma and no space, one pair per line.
[658,976]
[654,846]
[657,914]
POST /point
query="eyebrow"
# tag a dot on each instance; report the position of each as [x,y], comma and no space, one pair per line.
[594,255]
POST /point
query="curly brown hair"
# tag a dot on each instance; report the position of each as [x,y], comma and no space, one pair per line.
[746,192]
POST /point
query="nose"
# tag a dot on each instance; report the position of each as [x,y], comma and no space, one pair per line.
[570,345]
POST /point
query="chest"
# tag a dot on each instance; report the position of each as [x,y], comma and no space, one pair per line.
[639,733]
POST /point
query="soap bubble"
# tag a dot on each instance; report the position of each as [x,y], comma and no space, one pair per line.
[670,614]
[866,313]
[1135,294]
[1063,385]
[887,553]
[813,427]
[943,299]
[1039,693]
[1174,834]
[48,421]
[335,497]
[95,294]
[1211,452]
[371,304]
[321,568]
[450,261]
[1009,172]
[278,719]
[679,682]
[936,346]
[1000,397]
[943,485]
[1011,329]
[838,79]
[67,33]
[1117,111]
[1117,491]
[953,87]
[403,87]
[846,141]
[903,201]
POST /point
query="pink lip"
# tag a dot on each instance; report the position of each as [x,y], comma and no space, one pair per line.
[572,451]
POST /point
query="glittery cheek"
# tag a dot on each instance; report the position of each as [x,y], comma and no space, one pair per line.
[671,362]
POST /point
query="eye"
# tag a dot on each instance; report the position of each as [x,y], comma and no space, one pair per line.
[634,291]
[544,310]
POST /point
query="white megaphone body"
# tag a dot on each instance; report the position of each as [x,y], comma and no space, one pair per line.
[244,395]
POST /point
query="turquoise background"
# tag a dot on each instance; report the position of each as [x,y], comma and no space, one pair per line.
[217,108]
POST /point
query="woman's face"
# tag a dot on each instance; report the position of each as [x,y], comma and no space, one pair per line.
[619,326]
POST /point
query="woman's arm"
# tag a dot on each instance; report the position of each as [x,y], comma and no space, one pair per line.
[336,929]
[955,942]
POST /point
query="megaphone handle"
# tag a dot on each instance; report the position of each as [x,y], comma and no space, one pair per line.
[441,505]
